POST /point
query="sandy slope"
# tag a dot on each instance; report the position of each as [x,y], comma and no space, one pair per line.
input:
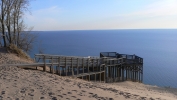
[19,84]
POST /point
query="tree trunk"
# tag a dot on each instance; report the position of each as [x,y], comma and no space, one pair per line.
[2,22]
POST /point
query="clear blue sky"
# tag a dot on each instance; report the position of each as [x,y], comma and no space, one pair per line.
[102,14]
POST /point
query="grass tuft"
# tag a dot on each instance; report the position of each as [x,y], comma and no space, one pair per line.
[14,49]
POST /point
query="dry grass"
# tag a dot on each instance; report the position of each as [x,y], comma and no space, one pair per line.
[14,49]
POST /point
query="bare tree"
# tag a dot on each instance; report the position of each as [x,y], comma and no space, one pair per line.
[12,24]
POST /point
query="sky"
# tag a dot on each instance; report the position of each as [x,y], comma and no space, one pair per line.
[54,15]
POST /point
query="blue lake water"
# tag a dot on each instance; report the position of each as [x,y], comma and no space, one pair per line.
[158,48]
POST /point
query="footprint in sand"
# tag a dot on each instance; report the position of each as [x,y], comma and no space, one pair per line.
[90,93]
[1,97]
[95,96]
[83,91]
[41,97]
[111,99]
[60,96]
[151,98]
[51,93]
[22,91]
[74,90]
[142,98]
[32,90]
[73,96]
[30,94]
[64,94]
[121,93]
[135,95]
[17,99]
[54,98]
[59,91]
[3,92]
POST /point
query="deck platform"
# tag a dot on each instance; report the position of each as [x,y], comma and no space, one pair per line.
[109,67]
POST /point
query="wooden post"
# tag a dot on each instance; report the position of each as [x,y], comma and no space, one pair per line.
[134,72]
[95,77]
[98,67]
[109,71]
[122,67]
[52,66]
[100,70]
[65,67]
[77,66]
[56,70]
[93,64]
[129,72]
[126,72]
[139,73]
[88,69]
[142,75]
[118,73]
[44,68]
[68,66]
[72,66]
[115,71]
[59,65]
[104,73]
[83,67]
[35,61]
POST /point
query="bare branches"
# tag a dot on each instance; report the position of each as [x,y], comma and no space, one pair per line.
[26,40]
[12,25]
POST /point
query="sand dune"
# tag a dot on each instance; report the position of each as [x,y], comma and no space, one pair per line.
[17,84]
[21,84]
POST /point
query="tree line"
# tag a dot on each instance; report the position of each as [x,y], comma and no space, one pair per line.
[12,27]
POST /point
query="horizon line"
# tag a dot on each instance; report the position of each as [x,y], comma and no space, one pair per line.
[111,29]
